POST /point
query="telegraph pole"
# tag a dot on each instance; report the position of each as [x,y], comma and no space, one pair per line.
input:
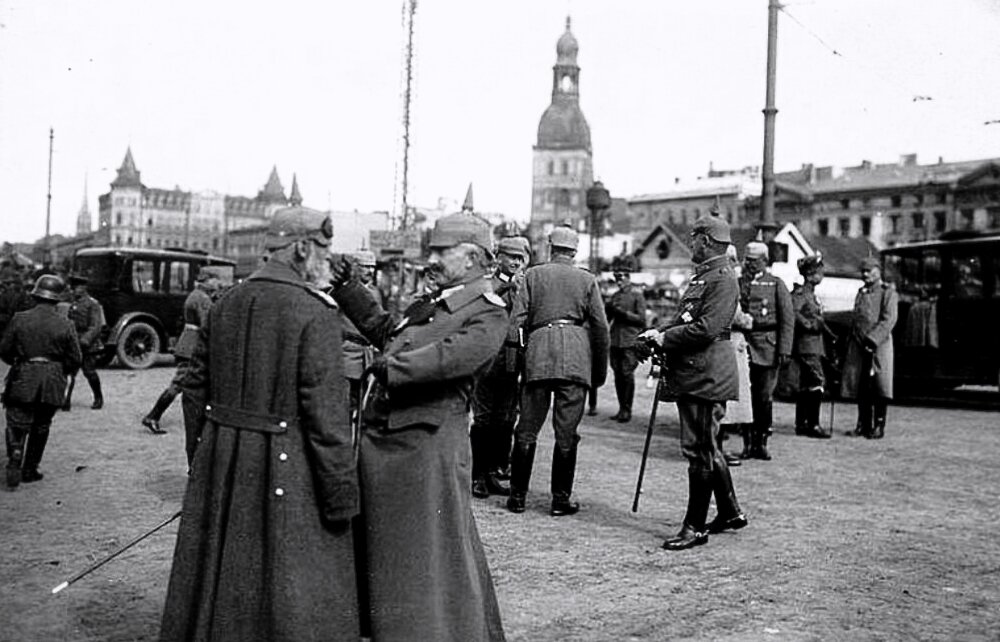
[408,12]
[767,224]
[48,201]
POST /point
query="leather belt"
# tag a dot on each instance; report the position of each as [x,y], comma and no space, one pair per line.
[242,419]
[191,326]
[38,360]
[554,323]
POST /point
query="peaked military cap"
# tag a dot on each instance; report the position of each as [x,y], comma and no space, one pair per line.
[292,224]
[809,264]
[462,227]
[756,250]
[365,258]
[77,279]
[713,227]
[515,246]
[870,262]
[563,236]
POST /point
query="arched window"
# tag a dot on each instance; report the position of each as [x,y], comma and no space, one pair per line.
[552,167]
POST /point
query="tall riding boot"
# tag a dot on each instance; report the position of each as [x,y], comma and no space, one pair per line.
[762,435]
[801,412]
[746,431]
[95,387]
[628,394]
[563,472]
[477,439]
[814,410]
[15,456]
[730,516]
[693,531]
[879,412]
[33,454]
[152,419]
[731,460]
[522,458]
[68,401]
[503,441]
[864,425]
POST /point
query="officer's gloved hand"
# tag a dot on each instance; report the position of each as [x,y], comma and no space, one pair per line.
[869,344]
[643,350]
[342,270]
[380,369]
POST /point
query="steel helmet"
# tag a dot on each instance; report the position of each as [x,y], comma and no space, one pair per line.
[49,287]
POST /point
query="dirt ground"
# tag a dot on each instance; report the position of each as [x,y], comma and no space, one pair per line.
[848,539]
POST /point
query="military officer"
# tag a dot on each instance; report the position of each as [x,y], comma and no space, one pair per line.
[808,348]
[88,319]
[42,348]
[494,402]
[765,298]
[701,370]
[561,313]
[414,453]
[196,307]
[264,549]
[868,364]
[626,311]
[358,351]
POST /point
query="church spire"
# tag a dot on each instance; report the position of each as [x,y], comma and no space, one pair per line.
[273,191]
[83,216]
[467,205]
[296,197]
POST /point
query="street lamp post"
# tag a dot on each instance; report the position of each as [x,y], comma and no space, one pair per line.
[598,202]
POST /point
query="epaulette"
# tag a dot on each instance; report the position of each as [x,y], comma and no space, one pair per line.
[494,299]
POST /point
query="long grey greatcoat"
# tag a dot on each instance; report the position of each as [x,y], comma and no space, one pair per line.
[256,556]
[42,348]
[427,570]
[873,319]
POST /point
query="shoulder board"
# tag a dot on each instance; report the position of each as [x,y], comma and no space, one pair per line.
[697,282]
[768,283]
[494,299]
[322,296]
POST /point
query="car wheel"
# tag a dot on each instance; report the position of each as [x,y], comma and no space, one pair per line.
[138,346]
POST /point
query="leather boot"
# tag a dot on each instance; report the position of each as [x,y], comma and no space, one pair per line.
[14,468]
[731,460]
[762,435]
[730,516]
[813,403]
[563,472]
[152,419]
[693,532]
[477,440]
[800,414]
[33,454]
[864,425]
[95,386]
[879,412]
[522,458]
[745,432]
[68,401]
[628,395]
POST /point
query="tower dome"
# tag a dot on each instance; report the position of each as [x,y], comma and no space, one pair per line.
[563,127]
[567,47]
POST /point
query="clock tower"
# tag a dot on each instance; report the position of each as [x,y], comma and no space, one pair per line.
[563,166]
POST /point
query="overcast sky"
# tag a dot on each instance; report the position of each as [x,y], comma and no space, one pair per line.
[211,95]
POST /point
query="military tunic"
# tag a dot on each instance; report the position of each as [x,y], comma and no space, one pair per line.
[426,568]
[626,311]
[263,550]
[808,348]
[765,298]
[874,316]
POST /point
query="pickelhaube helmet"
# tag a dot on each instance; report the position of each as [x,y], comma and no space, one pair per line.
[365,258]
[49,287]
[756,250]
[809,264]
[292,224]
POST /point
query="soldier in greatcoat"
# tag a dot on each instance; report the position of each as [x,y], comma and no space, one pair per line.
[626,312]
[196,306]
[427,572]
[264,549]
[494,402]
[868,363]
[42,349]
[358,351]
[561,313]
[701,371]
[87,316]
[765,298]
[808,348]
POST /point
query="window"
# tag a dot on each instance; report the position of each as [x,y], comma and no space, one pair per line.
[178,277]
[866,226]
[896,200]
[967,277]
[118,218]
[919,199]
[918,220]
[145,276]
[940,221]
[565,168]
[966,218]
[942,198]
[823,225]
[845,203]
[844,224]
[552,168]
[994,216]
[894,224]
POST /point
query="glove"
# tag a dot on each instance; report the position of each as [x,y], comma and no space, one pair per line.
[341,272]
[869,344]
[644,349]
[380,369]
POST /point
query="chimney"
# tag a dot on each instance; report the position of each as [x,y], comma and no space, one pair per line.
[908,160]
[677,180]
[866,165]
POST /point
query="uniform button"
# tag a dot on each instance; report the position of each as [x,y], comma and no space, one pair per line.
[208,407]
[283,456]
[279,492]
[282,424]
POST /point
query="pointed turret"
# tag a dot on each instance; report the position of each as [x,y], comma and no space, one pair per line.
[128,175]
[296,197]
[83,216]
[273,191]
[467,205]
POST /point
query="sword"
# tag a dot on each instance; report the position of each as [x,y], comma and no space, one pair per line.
[93,567]
[649,438]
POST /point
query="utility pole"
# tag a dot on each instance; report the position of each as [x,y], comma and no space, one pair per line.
[48,202]
[409,9]
[767,224]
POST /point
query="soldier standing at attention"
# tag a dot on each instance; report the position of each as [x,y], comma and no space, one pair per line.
[494,403]
[42,348]
[627,314]
[88,319]
[196,307]
[868,363]
[562,315]
[808,348]
[701,368]
[264,549]
[427,572]
[765,298]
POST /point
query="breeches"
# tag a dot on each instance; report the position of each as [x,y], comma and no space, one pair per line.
[811,377]
[566,398]
[699,423]
[763,380]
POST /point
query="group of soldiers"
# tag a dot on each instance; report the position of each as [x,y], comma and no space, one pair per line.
[47,336]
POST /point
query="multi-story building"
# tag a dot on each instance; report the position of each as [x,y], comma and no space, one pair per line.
[891,203]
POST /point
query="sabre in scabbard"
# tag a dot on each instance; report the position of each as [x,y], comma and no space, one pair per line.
[653,367]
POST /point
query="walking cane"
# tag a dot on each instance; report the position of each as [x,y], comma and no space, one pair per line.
[649,438]
[97,565]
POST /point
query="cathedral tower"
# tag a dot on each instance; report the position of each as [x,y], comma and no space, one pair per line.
[563,163]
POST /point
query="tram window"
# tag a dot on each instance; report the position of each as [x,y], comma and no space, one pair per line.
[967,275]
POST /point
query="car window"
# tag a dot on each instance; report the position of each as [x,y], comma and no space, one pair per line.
[967,277]
[178,279]
[145,276]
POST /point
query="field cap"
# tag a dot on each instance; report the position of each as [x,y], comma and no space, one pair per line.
[564,237]
[292,224]
[365,258]
[713,227]
[515,246]
[756,250]
[463,227]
